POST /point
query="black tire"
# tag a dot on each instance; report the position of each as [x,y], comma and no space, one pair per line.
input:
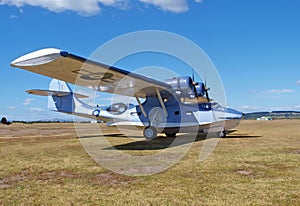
[150,133]
[171,134]
[222,134]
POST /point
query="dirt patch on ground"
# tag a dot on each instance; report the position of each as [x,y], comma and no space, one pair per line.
[295,151]
[243,172]
[19,130]
[112,179]
[109,178]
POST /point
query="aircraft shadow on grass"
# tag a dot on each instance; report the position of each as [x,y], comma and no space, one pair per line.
[163,142]
[241,136]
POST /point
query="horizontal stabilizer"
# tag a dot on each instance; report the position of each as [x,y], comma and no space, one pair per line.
[53,93]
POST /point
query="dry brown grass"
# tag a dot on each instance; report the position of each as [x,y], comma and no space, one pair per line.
[45,164]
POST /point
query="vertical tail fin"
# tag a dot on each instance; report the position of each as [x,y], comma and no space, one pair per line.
[60,86]
[63,102]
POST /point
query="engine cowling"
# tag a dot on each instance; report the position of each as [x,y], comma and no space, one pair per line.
[185,87]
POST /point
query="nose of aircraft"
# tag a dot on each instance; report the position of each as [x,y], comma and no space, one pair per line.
[234,113]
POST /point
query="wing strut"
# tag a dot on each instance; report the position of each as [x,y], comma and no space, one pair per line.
[141,106]
[161,102]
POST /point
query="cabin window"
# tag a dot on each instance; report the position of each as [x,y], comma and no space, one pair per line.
[176,112]
[205,106]
[189,113]
[136,113]
[117,108]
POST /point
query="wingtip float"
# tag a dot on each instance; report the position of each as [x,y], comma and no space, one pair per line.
[38,57]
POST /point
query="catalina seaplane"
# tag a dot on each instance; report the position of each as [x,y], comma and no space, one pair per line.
[177,105]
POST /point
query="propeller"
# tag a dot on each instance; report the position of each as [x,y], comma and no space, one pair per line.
[206,89]
[194,84]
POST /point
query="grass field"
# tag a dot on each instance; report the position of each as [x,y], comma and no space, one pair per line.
[45,164]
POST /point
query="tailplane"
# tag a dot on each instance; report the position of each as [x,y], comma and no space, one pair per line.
[60,96]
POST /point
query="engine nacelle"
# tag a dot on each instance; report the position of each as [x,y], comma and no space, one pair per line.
[185,87]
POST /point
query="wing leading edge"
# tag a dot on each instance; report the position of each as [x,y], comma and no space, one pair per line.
[77,70]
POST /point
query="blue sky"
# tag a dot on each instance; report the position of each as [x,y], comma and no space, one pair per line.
[255,45]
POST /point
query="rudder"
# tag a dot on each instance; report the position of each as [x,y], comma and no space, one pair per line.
[61,103]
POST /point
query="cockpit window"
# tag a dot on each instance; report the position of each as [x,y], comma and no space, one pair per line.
[205,106]
[117,108]
[214,105]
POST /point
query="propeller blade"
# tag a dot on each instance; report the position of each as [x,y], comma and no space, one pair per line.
[205,89]
[207,96]
[193,76]
[194,84]
[195,90]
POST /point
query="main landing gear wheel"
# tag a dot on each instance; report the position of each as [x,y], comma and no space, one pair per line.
[222,134]
[150,133]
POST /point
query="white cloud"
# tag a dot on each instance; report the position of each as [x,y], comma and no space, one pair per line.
[278,91]
[121,4]
[92,7]
[36,109]
[176,6]
[11,107]
[13,16]
[81,6]
[298,82]
[28,101]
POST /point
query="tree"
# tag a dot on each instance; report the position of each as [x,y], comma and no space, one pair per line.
[4,121]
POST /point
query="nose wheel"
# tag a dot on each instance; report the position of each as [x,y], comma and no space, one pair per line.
[150,133]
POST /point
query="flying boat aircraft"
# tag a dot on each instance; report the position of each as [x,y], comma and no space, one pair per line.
[176,105]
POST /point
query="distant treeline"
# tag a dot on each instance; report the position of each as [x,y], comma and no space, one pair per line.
[47,122]
[274,115]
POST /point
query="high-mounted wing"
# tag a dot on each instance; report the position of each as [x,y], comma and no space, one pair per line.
[70,68]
